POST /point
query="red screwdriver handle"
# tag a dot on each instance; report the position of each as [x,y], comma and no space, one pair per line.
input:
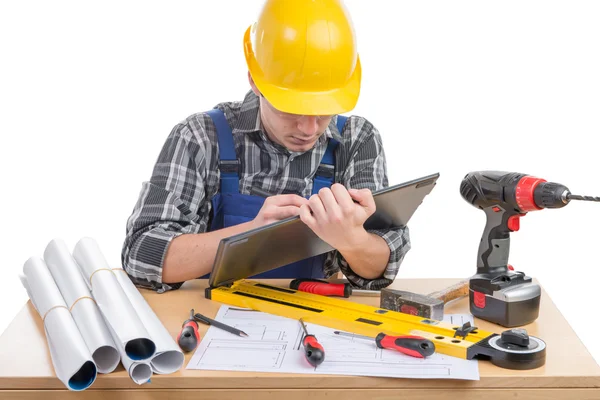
[189,336]
[313,351]
[324,288]
[415,346]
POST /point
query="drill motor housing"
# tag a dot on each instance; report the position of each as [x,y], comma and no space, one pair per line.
[497,293]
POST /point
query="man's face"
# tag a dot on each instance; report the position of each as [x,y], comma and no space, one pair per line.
[298,133]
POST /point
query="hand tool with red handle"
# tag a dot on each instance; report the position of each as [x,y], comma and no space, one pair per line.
[324,288]
[313,350]
[189,337]
[415,346]
[497,293]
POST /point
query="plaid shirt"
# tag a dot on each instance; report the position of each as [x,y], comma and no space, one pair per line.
[185,177]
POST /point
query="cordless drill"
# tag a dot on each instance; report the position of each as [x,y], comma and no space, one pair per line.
[497,293]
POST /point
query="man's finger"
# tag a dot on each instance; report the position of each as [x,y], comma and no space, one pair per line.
[288,200]
[307,217]
[342,196]
[317,208]
[285,212]
[328,200]
[364,197]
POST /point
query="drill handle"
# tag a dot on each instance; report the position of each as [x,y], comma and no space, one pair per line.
[494,248]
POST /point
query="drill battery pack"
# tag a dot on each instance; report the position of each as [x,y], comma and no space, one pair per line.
[511,299]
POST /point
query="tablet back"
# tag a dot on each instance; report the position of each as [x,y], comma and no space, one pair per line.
[271,246]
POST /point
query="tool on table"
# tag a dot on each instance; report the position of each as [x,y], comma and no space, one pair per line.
[313,350]
[356,291]
[464,342]
[498,293]
[326,288]
[210,321]
[189,337]
[414,346]
[428,306]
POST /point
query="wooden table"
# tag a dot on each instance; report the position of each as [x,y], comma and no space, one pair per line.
[570,371]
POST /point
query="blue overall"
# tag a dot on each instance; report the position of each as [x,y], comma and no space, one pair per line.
[230,207]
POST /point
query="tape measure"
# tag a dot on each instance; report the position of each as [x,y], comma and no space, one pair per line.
[512,349]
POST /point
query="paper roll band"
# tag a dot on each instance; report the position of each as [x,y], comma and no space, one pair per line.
[81,298]
[48,312]
[101,269]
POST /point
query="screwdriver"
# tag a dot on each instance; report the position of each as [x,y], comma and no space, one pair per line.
[313,351]
[325,288]
[189,337]
[415,346]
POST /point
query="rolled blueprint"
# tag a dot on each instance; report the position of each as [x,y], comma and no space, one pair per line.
[83,307]
[168,357]
[130,335]
[139,371]
[72,360]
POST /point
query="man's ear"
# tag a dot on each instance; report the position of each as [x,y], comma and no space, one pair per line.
[253,85]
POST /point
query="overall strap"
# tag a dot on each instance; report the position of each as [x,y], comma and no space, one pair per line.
[228,162]
[326,172]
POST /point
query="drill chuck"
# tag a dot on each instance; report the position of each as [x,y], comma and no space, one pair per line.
[551,195]
[513,191]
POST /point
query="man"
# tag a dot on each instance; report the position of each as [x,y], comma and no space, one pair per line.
[284,150]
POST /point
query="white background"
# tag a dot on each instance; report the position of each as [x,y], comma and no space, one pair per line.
[89,92]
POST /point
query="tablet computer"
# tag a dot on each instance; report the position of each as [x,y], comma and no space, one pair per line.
[284,242]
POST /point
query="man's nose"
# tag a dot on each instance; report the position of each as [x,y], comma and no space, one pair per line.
[308,124]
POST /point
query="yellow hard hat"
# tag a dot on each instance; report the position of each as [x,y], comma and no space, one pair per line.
[302,56]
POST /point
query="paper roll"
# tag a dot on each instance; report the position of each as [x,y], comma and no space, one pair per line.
[118,312]
[79,301]
[168,357]
[73,363]
[139,371]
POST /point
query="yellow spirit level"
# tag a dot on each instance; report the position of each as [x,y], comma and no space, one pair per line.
[512,349]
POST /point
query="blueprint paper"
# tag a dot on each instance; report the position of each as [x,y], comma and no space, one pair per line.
[130,335]
[274,345]
[140,372]
[168,357]
[84,310]
[72,360]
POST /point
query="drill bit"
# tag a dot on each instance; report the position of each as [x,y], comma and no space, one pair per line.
[584,198]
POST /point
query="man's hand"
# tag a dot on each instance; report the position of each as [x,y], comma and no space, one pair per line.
[276,208]
[336,218]
[190,256]
[339,221]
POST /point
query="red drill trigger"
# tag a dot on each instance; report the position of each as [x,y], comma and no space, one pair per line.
[513,222]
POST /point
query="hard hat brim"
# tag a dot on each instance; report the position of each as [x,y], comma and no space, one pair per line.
[330,102]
